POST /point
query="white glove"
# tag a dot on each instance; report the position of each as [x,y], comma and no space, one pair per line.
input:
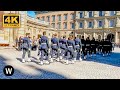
[59,50]
[49,50]
[29,49]
[75,50]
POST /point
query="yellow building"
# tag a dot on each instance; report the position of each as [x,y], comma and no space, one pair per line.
[62,21]
[29,25]
[98,24]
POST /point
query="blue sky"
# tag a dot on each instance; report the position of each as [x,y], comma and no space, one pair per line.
[31,13]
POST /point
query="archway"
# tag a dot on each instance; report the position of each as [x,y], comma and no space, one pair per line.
[111,37]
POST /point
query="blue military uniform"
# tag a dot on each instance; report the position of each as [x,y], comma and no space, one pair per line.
[78,47]
[60,42]
[63,48]
[55,46]
[26,46]
[70,49]
[44,46]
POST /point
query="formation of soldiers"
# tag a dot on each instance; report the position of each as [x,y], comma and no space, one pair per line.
[68,50]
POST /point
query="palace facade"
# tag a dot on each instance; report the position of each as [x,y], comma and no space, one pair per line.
[98,24]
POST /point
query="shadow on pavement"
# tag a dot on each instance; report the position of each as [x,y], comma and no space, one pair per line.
[113,59]
[42,74]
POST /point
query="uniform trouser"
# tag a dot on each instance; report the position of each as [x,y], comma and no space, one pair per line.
[78,52]
[54,52]
[105,50]
[70,53]
[44,52]
[109,49]
[24,53]
[84,51]
[63,51]
[38,52]
[100,49]
[88,49]
[93,49]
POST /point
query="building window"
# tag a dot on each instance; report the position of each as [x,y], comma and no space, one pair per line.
[90,24]
[90,14]
[100,23]
[65,17]
[59,25]
[111,23]
[43,18]
[112,13]
[65,25]
[59,17]
[80,25]
[53,18]
[53,25]
[81,14]
[72,16]
[48,18]
[101,13]
[72,26]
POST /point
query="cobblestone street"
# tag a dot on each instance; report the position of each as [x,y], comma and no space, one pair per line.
[94,68]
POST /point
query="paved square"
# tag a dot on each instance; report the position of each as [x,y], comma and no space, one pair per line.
[94,68]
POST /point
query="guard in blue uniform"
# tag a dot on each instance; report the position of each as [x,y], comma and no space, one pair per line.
[44,48]
[93,46]
[84,49]
[38,48]
[26,47]
[63,47]
[88,46]
[55,47]
[70,49]
[78,47]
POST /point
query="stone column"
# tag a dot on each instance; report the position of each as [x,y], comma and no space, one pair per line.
[106,23]
[116,37]
[76,25]
[117,22]
[85,14]
[94,35]
[106,13]
[105,35]
[96,13]
[95,23]
[85,24]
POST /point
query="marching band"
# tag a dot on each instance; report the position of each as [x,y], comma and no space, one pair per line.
[68,50]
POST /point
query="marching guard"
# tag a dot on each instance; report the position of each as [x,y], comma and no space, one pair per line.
[88,46]
[63,47]
[84,49]
[93,46]
[55,47]
[26,47]
[70,50]
[78,47]
[44,48]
